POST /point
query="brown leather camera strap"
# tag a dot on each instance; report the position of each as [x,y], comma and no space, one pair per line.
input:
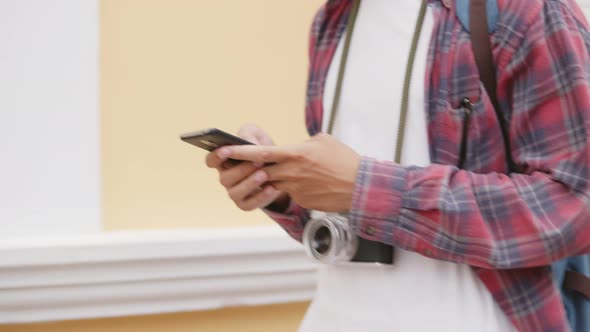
[482,51]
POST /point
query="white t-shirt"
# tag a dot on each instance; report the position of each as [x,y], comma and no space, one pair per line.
[416,293]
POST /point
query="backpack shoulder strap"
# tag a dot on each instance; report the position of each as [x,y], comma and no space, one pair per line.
[482,17]
[479,28]
[462,10]
[577,282]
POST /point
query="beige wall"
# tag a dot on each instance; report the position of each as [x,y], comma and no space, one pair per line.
[279,318]
[171,66]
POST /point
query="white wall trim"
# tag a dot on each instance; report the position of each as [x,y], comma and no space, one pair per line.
[148,272]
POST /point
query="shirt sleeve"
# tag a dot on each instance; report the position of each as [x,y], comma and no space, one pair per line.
[495,220]
[291,220]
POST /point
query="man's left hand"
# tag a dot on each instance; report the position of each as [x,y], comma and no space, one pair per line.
[318,174]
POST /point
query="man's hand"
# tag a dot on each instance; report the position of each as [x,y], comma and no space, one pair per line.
[319,174]
[246,182]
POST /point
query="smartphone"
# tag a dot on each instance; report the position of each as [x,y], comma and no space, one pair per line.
[212,138]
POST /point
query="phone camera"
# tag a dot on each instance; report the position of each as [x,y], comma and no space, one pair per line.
[209,143]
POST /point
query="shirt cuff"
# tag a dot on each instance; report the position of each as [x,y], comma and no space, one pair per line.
[292,220]
[377,198]
[290,210]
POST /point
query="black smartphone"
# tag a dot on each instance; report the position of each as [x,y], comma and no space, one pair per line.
[212,138]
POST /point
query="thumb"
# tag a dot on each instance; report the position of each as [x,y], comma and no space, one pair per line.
[255,135]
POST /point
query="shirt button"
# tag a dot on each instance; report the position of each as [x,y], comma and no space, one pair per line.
[370,230]
[446,3]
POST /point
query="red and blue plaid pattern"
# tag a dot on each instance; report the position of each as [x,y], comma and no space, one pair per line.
[509,228]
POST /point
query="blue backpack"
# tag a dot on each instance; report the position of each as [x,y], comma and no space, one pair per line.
[571,274]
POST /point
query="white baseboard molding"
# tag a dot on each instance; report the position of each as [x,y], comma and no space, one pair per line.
[150,272]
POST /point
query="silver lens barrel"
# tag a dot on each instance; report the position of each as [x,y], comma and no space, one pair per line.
[330,239]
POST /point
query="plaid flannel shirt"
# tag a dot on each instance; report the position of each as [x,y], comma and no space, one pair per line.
[509,228]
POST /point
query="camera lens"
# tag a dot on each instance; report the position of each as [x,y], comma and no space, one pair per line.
[322,240]
[329,239]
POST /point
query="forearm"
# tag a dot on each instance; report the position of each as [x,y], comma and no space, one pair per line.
[485,220]
[494,220]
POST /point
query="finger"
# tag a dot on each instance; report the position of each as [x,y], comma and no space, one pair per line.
[283,186]
[260,154]
[250,133]
[280,172]
[255,135]
[247,187]
[233,175]
[216,159]
[261,199]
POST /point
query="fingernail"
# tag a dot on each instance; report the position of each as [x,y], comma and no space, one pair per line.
[223,153]
[269,190]
[260,176]
[258,164]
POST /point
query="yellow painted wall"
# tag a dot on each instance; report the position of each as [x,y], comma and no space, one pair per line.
[171,66]
[279,318]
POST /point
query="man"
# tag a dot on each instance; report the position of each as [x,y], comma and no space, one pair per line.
[473,245]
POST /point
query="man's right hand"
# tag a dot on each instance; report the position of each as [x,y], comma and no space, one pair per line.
[245,183]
